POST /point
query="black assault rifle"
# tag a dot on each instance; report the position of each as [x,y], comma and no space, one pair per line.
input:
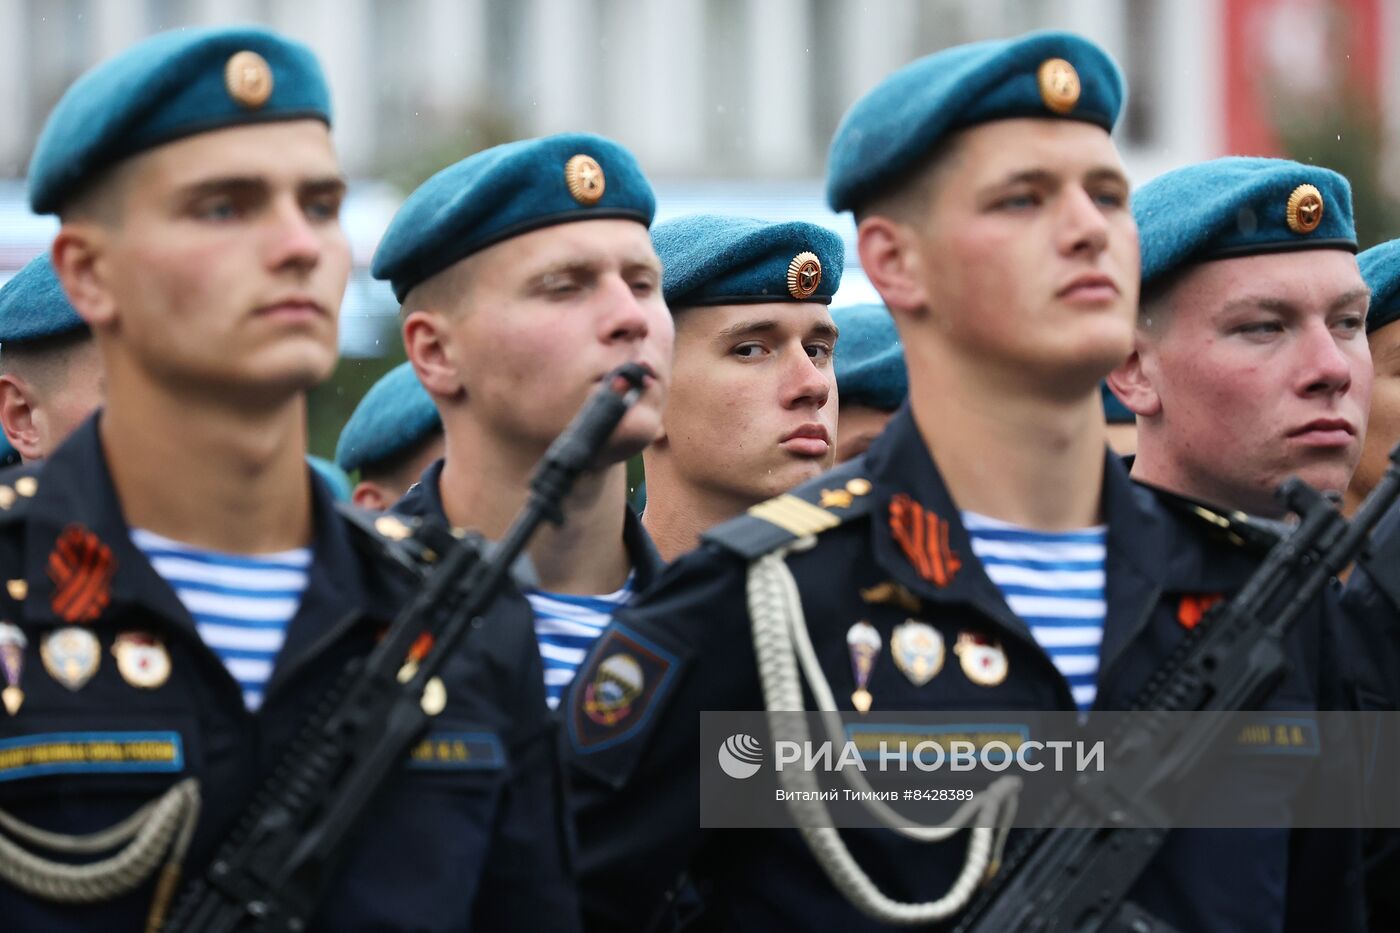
[272,871]
[1077,879]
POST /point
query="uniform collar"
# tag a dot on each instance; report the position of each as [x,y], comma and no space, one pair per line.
[424,500]
[75,490]
[1148,551]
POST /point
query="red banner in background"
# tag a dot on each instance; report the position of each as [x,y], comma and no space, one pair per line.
[1277,49]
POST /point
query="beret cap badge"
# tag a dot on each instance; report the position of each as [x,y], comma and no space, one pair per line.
[584,176]
[248,78]
[1059,84]
[804,274]
[1304,212]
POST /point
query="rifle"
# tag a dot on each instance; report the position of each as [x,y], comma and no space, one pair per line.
[1077,879]
[271,872]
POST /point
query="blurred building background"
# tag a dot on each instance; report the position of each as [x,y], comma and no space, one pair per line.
[729,104]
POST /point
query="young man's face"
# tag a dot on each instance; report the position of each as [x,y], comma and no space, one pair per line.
[1259,369]
[1383,425]
[542,317]
[1028,252]
[752,408]
[227,263]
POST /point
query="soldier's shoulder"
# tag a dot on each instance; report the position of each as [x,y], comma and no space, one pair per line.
[407,542]
[840,497]
[18,485]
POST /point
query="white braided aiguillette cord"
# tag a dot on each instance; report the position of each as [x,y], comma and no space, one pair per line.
[151,831]
[780,628]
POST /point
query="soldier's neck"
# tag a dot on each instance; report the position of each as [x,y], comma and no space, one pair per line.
[483,486]
[211,475]
[1005,453]
[677,513]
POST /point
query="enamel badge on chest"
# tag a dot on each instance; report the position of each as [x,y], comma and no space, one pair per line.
[12,645]
[983,659]
[70,655]
[918,651]
[864,643]
[141,659]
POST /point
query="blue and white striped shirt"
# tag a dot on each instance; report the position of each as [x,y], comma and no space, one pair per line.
[566,627]
[1054,581]
[241,604]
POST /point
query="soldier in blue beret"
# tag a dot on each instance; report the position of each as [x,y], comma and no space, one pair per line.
[1250,363]
[50,373]
[981,555]
[752,407]
[527,274]
[182,586]
[393,435]
[1380,267]
[870,374]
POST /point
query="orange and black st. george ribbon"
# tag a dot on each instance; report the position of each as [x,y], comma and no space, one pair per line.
[923,537]
[1194,606]
[81,568]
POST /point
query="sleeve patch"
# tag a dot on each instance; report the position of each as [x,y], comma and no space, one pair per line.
[625,678]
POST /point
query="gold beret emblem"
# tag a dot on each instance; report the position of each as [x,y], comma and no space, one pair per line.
[1304,209]
[1059,84]
[248,78]
[584,176]
[804,275]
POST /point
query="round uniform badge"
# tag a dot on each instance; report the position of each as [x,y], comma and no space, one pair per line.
[1059,85]
[804,275]
[983,659]
[585,179]
[918,650]
[1304,209]
[70,655]
[142,659]
[618,683]
[248,79]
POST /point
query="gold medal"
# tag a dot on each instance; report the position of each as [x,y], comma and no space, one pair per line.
[70,655]
[918,651]
[864,643]
[983,659]
[141,659]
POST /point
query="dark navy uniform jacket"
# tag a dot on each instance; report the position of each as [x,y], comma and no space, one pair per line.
[636,771]
[424,501]
[469,835]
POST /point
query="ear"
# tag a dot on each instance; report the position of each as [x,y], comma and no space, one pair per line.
[17,417]
[1132,381]
[427,341]
[78,254]
[889,255]
[368,495]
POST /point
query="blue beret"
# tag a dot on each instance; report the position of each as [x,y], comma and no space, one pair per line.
[332,475]
[709,259]
[8,455]
[395,414]
[1239,206]
[892,129]
[33,305]
[172,85]
[869,357]
[1380,267]
[503,192]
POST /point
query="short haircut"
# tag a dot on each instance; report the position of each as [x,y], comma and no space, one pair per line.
[389,470]
[44,363]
